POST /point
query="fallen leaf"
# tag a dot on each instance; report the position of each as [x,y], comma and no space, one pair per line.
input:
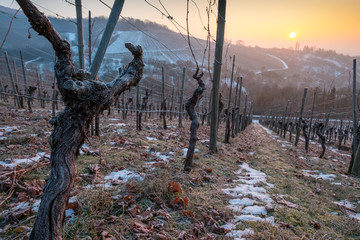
[187,213]
[146,215]
[165,215]
[21,229]
[175,187]
[179,203]
[282,201]
[185,236]
[22,197]
[99,225]
[315,224]
[140,227]
[107,236]
[94,168]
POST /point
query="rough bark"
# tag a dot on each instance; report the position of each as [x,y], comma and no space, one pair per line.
[143,106]
[227,126]
[291,129]
[221,106]
[163,113]
[318,126]
[305,128]
[190,109]
[83,99]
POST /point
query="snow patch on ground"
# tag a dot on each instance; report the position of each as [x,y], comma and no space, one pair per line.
[115,178]
[349,209]
[151,139]
[318,175]
[11,163]
[185,151]
[9,129]
[249,200]
[123,176]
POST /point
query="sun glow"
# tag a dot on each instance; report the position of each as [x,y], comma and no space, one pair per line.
[292,35]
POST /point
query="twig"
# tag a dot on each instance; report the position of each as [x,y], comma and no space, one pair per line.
[12,189]
[77,223]
[2,44]
[188,34]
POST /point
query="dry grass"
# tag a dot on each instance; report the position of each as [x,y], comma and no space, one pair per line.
[202,186]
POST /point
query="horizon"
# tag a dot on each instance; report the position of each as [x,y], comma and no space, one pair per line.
[329,29]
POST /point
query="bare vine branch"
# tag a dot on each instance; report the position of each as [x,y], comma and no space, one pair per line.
[2,44]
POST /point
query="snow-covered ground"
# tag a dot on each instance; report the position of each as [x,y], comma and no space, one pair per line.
[245,208]
[11,163]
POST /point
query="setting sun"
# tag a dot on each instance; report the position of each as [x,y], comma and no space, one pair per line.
[292,35]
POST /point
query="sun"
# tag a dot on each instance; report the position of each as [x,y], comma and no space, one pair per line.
[292,35]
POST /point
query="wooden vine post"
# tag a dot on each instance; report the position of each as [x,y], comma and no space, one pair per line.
[143,107]
[298,124]
[216,75]
[27,93]
[227,129]
[190,108]
[83,98]
[16,96]
[283,120]
[354,167]
[238,102]
[181,98]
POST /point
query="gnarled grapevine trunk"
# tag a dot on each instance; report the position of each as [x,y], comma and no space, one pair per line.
[190,108]
[305,128]
[319,126]
[83,98]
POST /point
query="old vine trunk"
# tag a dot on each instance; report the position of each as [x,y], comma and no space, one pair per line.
[83,98]
[190,108]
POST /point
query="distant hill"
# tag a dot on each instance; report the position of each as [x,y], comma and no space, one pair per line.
[309,67]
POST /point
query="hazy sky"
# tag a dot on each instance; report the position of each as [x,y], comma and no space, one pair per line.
[329,24]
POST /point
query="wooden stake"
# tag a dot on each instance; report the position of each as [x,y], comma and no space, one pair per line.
[298,126]
[217,73]
[27,93]
[80,34]
[16,97]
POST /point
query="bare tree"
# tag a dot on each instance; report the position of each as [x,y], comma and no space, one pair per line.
[83,98]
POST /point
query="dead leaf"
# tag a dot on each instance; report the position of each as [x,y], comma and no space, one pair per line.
[215,228]
[146,215]
[175,187]
[140,227]
[285,225]
[94,168]
[199,229]
[99,225]
[185,236]
[189,214]
[315,224]
[179,203]
[107,236]
[209,170]
[282,201]
[22,197]
[134,210]
[163,214]
[21,229]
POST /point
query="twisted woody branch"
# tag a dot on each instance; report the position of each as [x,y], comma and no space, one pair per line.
[83,99]
[190,108]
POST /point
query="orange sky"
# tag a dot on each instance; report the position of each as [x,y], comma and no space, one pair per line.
[330,24]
